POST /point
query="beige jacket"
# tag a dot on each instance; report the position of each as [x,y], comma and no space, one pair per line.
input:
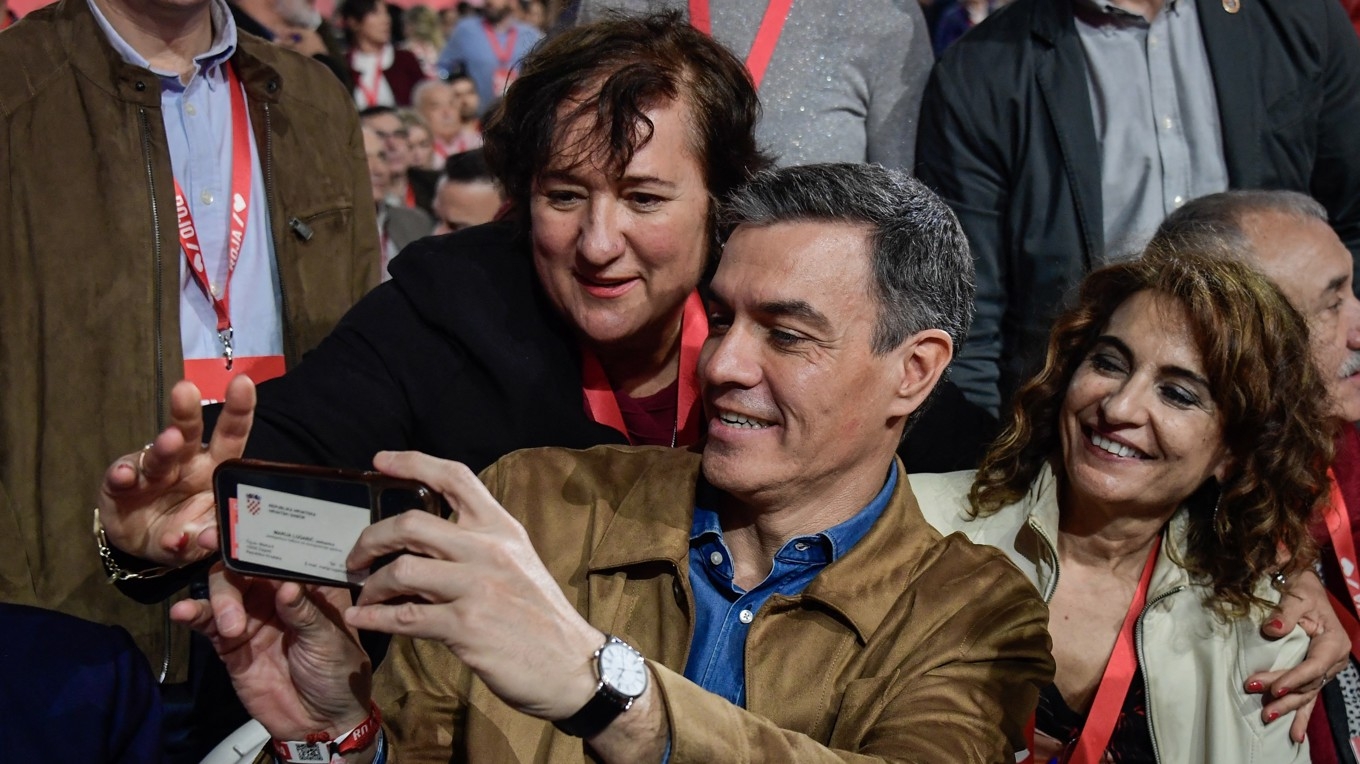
[1195,665]
[910,648]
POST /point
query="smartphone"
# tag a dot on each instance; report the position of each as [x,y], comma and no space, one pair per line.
[299,523]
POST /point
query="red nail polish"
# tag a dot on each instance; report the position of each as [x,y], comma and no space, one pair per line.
[1272,716]
[1277,624]
[1254,686]
[183,542]
[1283,691]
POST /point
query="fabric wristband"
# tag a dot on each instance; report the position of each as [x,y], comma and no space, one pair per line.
[319,748]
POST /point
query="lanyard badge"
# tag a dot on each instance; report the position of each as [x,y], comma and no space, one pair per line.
[241,169]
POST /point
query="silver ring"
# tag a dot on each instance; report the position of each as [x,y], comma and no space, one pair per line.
[1279,580]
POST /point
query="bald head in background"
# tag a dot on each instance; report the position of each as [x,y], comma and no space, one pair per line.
[1286,235]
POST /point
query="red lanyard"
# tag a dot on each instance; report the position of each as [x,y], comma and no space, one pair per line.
[241,167]
[1338,523]
[371,91]
[603,407]
[767,35]
[504,55]
[1114,684]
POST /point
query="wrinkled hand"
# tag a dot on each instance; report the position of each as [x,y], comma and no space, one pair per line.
[157,503]
[481,589]
[1303,603]
[295,665]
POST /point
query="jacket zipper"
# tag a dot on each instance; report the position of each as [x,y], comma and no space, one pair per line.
[1053,554]
[1142,661]
[160,349]
[156,288]
[284,322]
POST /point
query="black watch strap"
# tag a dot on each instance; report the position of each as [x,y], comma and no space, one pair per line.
[595,715]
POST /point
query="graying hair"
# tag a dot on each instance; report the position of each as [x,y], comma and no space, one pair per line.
[1215,222]
[922,268]
[423,87]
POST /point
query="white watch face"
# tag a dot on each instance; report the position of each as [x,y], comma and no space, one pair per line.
[623,669]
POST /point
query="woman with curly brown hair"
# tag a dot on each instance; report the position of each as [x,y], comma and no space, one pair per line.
[1153,477]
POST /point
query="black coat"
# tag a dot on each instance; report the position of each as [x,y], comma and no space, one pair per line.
[1007,138]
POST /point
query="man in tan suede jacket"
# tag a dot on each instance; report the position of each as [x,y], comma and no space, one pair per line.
[93,276]
[777,597]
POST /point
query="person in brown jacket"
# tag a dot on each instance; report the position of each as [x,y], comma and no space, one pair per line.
[776,597]
[103,112]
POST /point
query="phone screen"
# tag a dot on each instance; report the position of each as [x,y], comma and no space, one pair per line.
[300,523]
[307,536]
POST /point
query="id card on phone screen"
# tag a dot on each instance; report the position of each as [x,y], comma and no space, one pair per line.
[299,534]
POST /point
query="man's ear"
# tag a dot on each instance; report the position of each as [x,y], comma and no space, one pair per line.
[923,358]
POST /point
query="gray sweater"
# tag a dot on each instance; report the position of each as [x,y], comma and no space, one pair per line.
[845,81]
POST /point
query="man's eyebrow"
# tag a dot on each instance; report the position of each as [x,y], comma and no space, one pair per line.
[1335,284]
[799,309]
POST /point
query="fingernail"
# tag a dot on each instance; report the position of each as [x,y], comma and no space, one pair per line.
[183,542]
[1276,624]
[1272,716]
[1283,691]
[1255,686]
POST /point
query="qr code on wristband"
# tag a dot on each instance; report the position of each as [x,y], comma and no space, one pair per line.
[309,753]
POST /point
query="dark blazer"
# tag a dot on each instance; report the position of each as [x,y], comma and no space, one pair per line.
[405,225]
[73,690]
[1007,138]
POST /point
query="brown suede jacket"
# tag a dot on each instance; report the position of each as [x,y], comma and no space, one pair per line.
[90,276]
[912,647]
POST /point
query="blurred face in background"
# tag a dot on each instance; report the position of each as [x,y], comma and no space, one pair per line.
[374,29]
[377,163]
[422,147]
[463,204]
[395,143]
[496,10]
[465,91]
[440,108]
[534,14]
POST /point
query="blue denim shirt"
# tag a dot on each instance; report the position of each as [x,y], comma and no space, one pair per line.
[724,612]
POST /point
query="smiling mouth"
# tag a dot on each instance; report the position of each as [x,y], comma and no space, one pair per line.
[1113,447]
[743,422]
[605,287]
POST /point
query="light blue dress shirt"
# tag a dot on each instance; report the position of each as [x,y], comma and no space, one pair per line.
[197,117]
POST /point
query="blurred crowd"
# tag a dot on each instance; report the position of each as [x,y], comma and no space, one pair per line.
[924,302]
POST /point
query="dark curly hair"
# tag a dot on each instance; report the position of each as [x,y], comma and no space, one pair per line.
[1271,402]
[611,72]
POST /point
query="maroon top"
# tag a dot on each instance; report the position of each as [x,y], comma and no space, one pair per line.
[650,419]
[402,76]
